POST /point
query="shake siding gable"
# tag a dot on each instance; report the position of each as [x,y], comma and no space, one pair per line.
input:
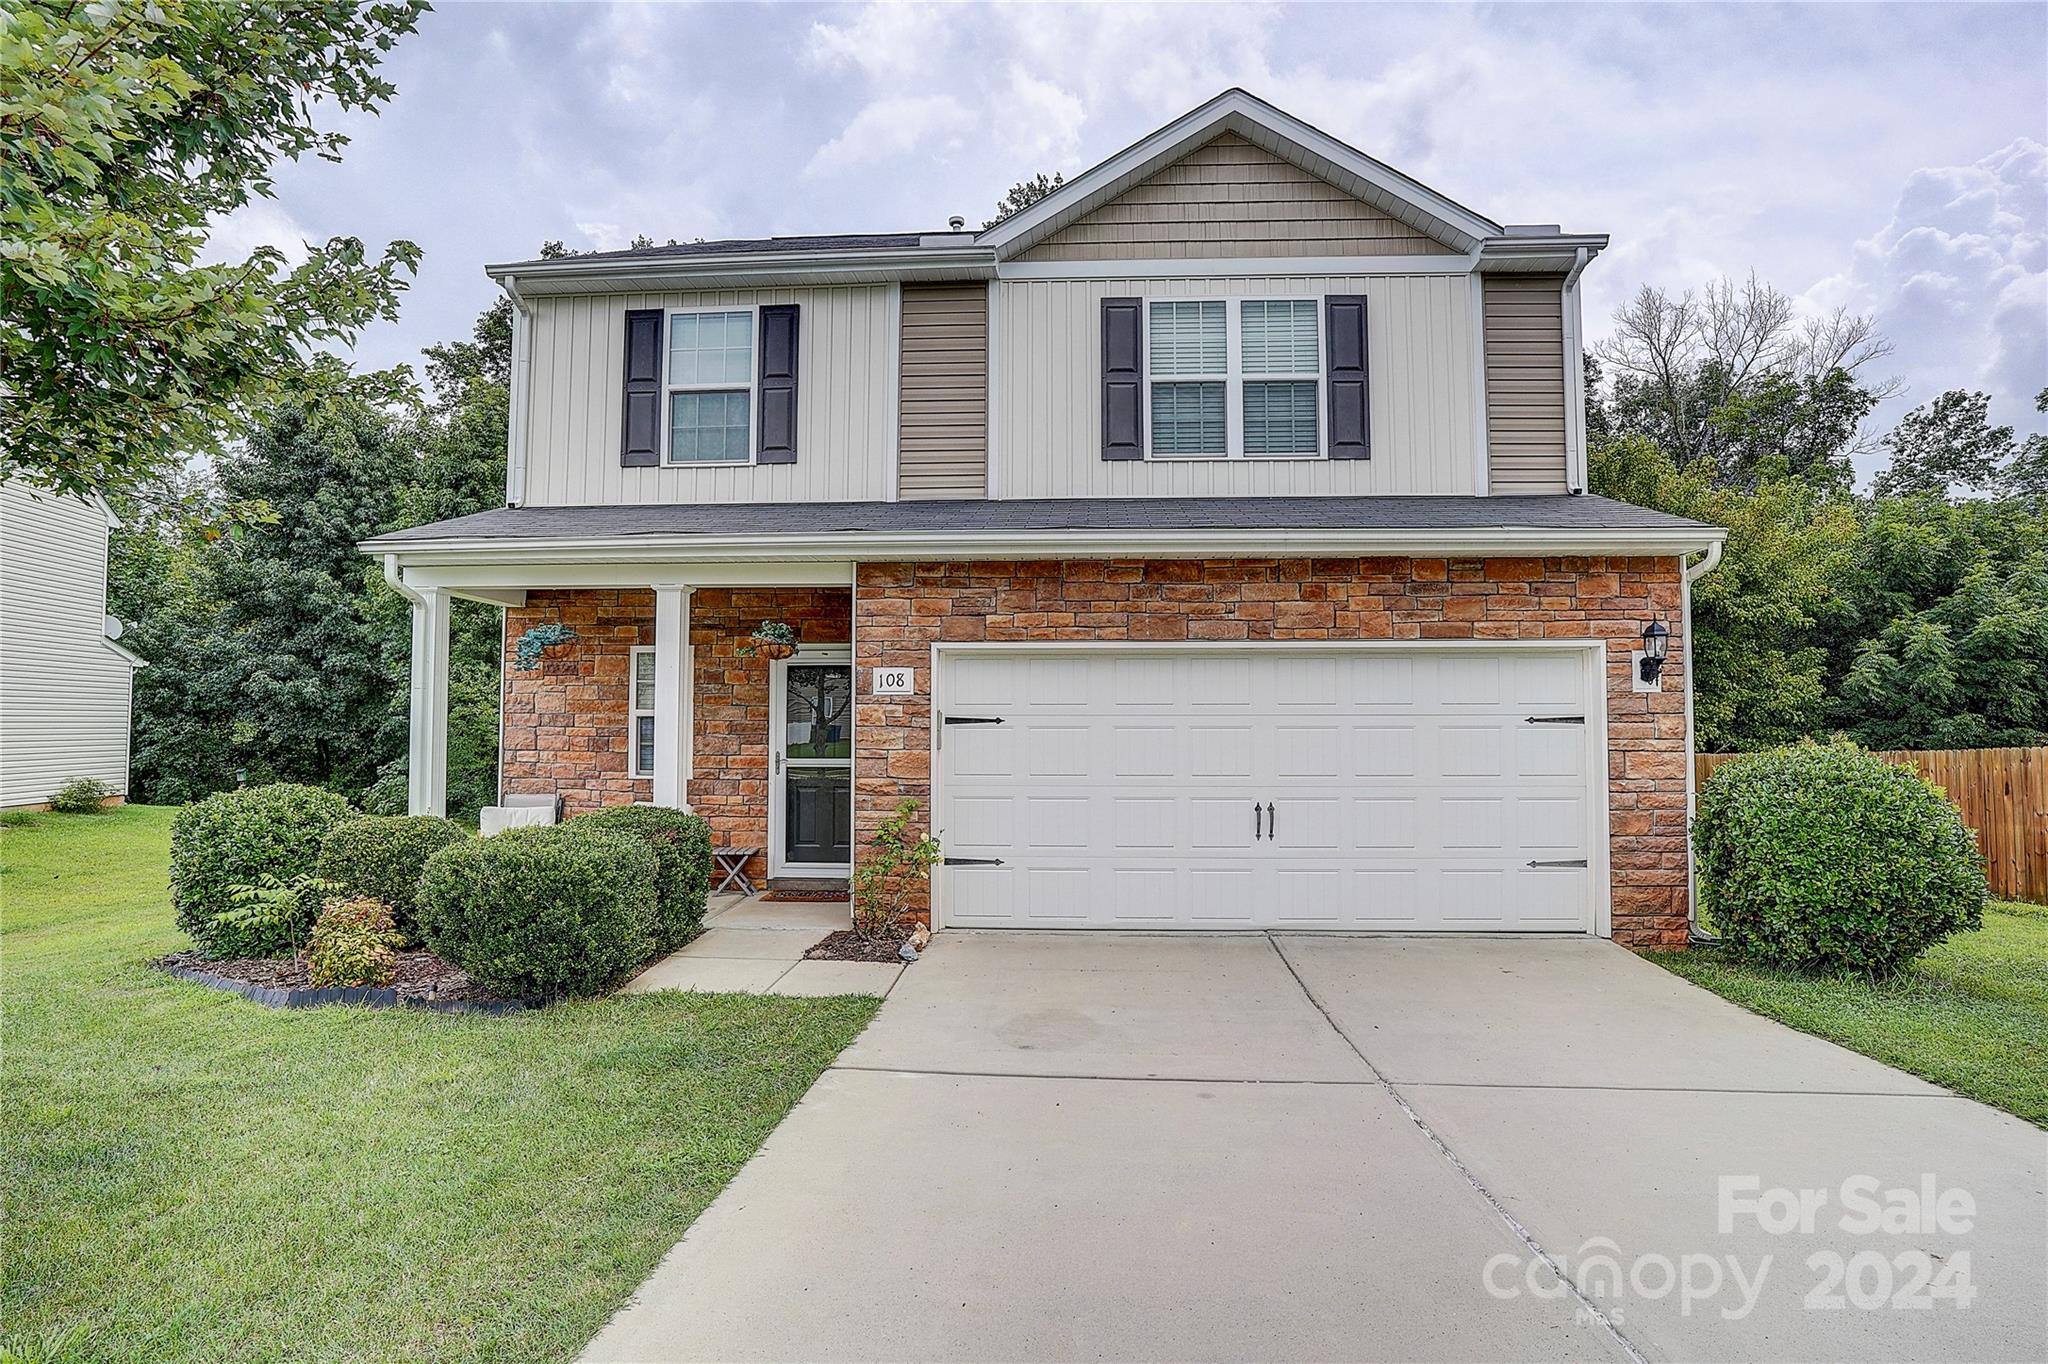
[1229,198]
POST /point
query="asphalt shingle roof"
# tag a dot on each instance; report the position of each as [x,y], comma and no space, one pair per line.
[745,246]
[1077,514]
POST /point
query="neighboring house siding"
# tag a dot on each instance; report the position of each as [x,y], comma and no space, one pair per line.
[846,395]
[1525,378]
[1229,198]
[942,426]
[1048,426]
[64,690]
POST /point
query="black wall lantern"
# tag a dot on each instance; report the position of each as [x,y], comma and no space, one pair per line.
[1656,643]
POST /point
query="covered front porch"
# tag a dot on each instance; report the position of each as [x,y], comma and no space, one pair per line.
[647,687]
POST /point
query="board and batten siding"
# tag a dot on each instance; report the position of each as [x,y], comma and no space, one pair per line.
[942,421]
[1228,198]
[1525,384]
[846,400]
[1048,422]
[64,690]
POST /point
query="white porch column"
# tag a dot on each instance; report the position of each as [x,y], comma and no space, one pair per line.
[671,695]
[427,767]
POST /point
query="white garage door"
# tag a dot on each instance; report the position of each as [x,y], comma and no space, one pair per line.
[1364,790]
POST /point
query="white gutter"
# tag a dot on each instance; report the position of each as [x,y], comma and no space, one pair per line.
[1692,574]
[395,576]
[520,377]
[1121,543]
[1574,376]
[893,262]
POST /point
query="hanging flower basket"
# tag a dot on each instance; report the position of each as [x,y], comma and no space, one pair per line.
[537,641]
[771,639]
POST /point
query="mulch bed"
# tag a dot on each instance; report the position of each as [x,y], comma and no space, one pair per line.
[423,981]
[847,945]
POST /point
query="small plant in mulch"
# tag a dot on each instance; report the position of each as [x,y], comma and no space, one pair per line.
[354,944]
[269,917]
[899,859]
[771,639]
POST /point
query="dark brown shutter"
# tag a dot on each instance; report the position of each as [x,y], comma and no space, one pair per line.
[640,439]
[1350,404]
[1123,379]
[777,444]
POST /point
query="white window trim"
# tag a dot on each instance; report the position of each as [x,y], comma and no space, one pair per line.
[1234,379]
[669,388]
[634,714]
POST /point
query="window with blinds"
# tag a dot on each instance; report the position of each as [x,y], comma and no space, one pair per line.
[1234,378]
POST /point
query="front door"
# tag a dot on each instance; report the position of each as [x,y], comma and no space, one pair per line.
[811,788]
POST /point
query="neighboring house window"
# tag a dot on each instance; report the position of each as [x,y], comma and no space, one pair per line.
[1233,379]
[642,734]
[711,387]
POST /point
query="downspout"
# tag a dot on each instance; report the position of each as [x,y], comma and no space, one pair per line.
[519,379]
[1574,375]
[1693,573]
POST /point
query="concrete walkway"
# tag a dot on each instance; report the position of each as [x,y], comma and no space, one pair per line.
[751,945]
[1053,1146]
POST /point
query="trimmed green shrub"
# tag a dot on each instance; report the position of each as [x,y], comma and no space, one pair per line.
[81,796]
[268,919]
[681,844]
[354,944]
[539,913]
[1829,859]
[382,856]
[236,838]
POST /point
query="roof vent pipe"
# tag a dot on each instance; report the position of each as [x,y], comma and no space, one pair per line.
[956,222]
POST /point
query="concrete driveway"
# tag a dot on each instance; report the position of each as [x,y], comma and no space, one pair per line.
[1053,1146]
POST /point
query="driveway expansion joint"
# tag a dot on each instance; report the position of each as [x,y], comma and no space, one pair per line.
[1589,1307]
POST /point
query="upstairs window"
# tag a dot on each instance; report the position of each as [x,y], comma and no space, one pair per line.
[711,387]
[1234,378]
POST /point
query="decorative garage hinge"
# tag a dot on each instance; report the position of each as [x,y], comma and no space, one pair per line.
[974,861]
[1568,862]
[1555,720]
[945,719]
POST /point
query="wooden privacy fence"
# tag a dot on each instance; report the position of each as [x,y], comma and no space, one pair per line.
[2003,794]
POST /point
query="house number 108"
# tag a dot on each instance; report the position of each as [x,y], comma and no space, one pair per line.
[895,681]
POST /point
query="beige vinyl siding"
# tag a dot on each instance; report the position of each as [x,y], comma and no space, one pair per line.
[1525,379]
[1419,344]
[64,691]
[942,413]
[1226,199]
[846,391]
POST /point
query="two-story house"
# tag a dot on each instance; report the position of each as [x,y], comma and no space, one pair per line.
[1205,546]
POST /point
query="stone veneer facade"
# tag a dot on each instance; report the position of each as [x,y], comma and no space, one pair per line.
[566,723]
[901,610]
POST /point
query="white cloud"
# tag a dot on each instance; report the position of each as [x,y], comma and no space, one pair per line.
[262,223]
[890,128]
[1958,279]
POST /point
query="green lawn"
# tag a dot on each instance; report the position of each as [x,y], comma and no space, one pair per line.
[1971,1014]
[189,1176]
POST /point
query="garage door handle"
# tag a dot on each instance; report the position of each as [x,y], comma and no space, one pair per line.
[1571,862]
[1272,828]
[1256,818]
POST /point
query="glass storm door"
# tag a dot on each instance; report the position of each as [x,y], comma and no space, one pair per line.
[811,822]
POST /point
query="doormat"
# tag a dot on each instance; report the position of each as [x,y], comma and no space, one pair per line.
[804,897]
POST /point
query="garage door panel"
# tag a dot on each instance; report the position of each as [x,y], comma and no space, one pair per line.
[1408,792]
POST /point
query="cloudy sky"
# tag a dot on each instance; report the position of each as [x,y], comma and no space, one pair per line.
[1887,157]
